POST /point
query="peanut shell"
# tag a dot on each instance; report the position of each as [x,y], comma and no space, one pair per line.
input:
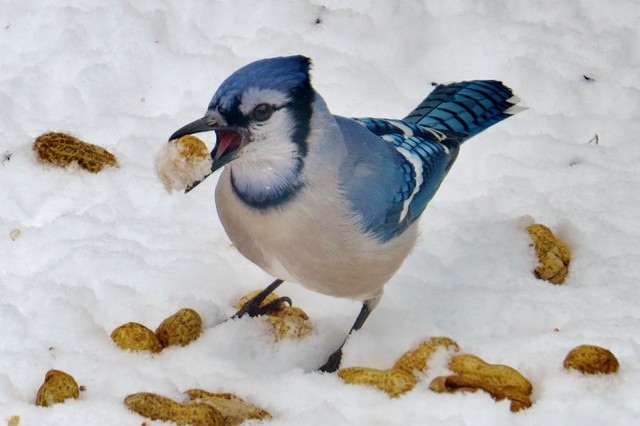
[500,381]
[234,410]
[289,322]
[62,149]
[180,329]
[192,148]
[591,359]
[57,387]
[416,359]
[553,254]
[182,162]
[136,337]
[393,381]
[157,407]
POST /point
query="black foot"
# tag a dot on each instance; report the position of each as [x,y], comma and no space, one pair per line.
[254,309]
[333,363]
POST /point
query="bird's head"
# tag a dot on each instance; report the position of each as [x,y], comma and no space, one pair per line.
[261,115]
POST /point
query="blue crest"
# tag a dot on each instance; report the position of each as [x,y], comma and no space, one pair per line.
[285,74]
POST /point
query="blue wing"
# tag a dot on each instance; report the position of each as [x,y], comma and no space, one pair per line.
[426,155]
[395,167]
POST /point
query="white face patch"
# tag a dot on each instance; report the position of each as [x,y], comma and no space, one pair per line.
[269,162]
[271,140]
[254,96]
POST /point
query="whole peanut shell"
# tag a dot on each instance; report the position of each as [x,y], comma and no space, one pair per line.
[500,381]
[57,387]
[180,329]
[234,410]
[157,407]
[393,381]
[591,359]
[136,337]
[416,359]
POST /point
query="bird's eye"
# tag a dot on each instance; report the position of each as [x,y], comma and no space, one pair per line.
[262,112]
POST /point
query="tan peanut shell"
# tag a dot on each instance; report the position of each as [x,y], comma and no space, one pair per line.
[553,255]
[500,381]
[62,149]
[57,387]
[392,381]
[591,359]
[234,410]
[182,162]
[136,337]
[416,359]
[192,148]
[180,329]
[157,407]
[287,322]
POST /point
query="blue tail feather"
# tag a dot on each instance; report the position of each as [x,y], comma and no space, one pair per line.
[467,107]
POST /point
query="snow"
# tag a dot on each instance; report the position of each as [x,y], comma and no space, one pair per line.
[97,251]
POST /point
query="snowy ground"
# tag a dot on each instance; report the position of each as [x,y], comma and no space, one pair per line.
[96,251]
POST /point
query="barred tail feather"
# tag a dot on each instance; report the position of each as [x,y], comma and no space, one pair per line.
[467,107]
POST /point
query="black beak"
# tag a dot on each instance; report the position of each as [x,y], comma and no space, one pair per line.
[228,141]
[204,124]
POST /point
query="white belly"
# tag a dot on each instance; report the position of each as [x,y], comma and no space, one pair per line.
[310,241]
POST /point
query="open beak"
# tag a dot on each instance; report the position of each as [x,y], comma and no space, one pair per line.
[228,142]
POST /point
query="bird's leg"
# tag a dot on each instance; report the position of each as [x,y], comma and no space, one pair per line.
[253,308]
[333,363]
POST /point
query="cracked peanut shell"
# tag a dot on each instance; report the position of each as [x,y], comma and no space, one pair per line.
[62,149]
[553,255]
[287,322]
[182,162]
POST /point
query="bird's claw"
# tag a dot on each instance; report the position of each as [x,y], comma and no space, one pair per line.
[333,363]
[254,308]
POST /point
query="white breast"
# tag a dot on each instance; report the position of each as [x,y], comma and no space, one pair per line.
[313,241]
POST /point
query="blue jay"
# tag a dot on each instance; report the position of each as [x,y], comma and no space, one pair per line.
[326,201]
